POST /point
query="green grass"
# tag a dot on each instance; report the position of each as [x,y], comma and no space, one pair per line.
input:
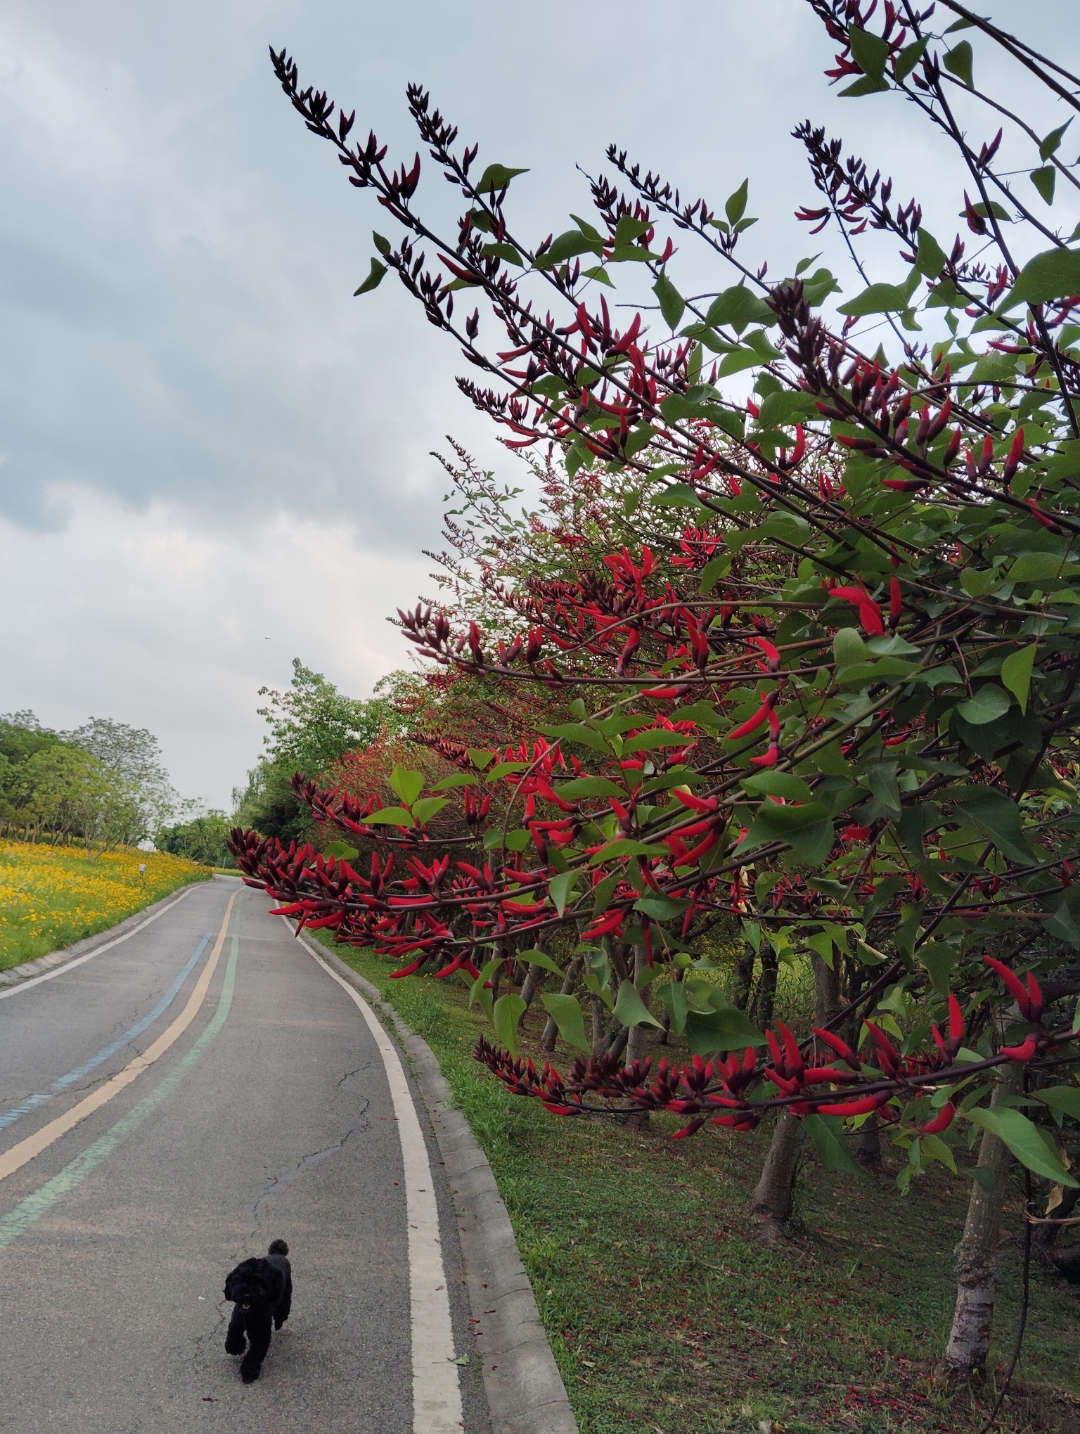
[667,1313]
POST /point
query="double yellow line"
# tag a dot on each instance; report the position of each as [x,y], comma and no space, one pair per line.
[21,1154]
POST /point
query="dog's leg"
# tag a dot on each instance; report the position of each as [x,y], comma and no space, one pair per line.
[235,1338]
[281,1314]
[259,1334]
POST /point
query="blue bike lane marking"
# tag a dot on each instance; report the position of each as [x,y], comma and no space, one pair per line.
[9,1117]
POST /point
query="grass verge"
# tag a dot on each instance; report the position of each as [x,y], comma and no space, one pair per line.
[51,896]
[668,1315]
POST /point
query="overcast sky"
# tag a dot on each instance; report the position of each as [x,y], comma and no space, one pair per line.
[213,458]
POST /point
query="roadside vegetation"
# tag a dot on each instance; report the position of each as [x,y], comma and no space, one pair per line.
[51,896]
[759,735]
[666,1310]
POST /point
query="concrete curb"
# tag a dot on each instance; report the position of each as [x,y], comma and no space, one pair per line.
[27,970]
[525,1391]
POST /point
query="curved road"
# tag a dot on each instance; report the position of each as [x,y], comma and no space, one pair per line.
[169,1107]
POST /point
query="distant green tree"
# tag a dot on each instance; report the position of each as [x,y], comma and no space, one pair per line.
[312,724]
[200,839]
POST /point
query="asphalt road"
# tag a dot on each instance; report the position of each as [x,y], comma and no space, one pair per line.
[268,1115]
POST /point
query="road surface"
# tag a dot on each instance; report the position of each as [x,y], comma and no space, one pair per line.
[168,1108]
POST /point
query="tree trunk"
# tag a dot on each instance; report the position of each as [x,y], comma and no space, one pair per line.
[635,1043]
[551,1030]
[599,1039]
[976,1255]
[744,978]
[774,1196]
[765,996]
[528,991]
[868,1150]
[773,1199]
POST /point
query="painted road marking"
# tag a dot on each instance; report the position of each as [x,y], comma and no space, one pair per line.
[20,1155]
[42,1200]
[107,946]
[436,1393]
[9,1117]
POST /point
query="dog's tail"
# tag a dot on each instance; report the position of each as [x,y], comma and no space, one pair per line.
[278,1247]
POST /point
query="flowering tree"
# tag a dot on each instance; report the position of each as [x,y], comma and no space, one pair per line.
[836,702]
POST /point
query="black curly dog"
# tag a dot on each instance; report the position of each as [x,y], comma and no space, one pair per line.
[261,1290]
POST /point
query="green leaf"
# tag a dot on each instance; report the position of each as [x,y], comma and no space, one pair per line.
[1054,274]
[566,1013]
[390,817]
[881,779]
[995,816]
[1062,925]
[541,958]
[849,648]
[373,280]
[502,251]
[978,582]
[589,787]
[626,846]
[824,1131]
[495,177]
[723,1029]
[737,307]
[934,1148]
[671,301]
[428,807]
[865,85]
[907,59]
[1036,568]
[408,785]
[715,569]
[882,298]
[988,704]
[1016,674]
[1045,181]
[508,1011]
[735,207]
[575,732]
[870,52]
[958,63]
[660,908]
[674,998]
[1061,1097]
[939,959]
[1050,144]
[993,367]
[561,887]
[341,849]
[383,245]
[479,759]
[778,784]
[458,779]
[677,495]
[930,258]
[1023,1139]
[572,243]
[630,1009]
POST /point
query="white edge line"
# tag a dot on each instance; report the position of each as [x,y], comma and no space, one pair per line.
[105,946]
[436,1391]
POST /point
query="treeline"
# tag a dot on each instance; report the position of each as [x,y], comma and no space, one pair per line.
[102,784]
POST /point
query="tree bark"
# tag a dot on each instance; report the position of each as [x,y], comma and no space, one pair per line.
[868,1150]
[551,1030]
[976,1256]
[635,1043]
[765,996]
[773,1199]
[774,1195]
[528,991]
[744,978]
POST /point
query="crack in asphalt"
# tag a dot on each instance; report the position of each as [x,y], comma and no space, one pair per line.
[349,1074]
[308,1162]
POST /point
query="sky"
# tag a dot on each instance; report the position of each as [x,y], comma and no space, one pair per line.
[213,458]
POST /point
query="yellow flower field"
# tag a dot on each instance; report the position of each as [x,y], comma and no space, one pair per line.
[52,896]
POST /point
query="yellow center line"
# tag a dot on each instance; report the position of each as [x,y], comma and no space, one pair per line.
[19,1155]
